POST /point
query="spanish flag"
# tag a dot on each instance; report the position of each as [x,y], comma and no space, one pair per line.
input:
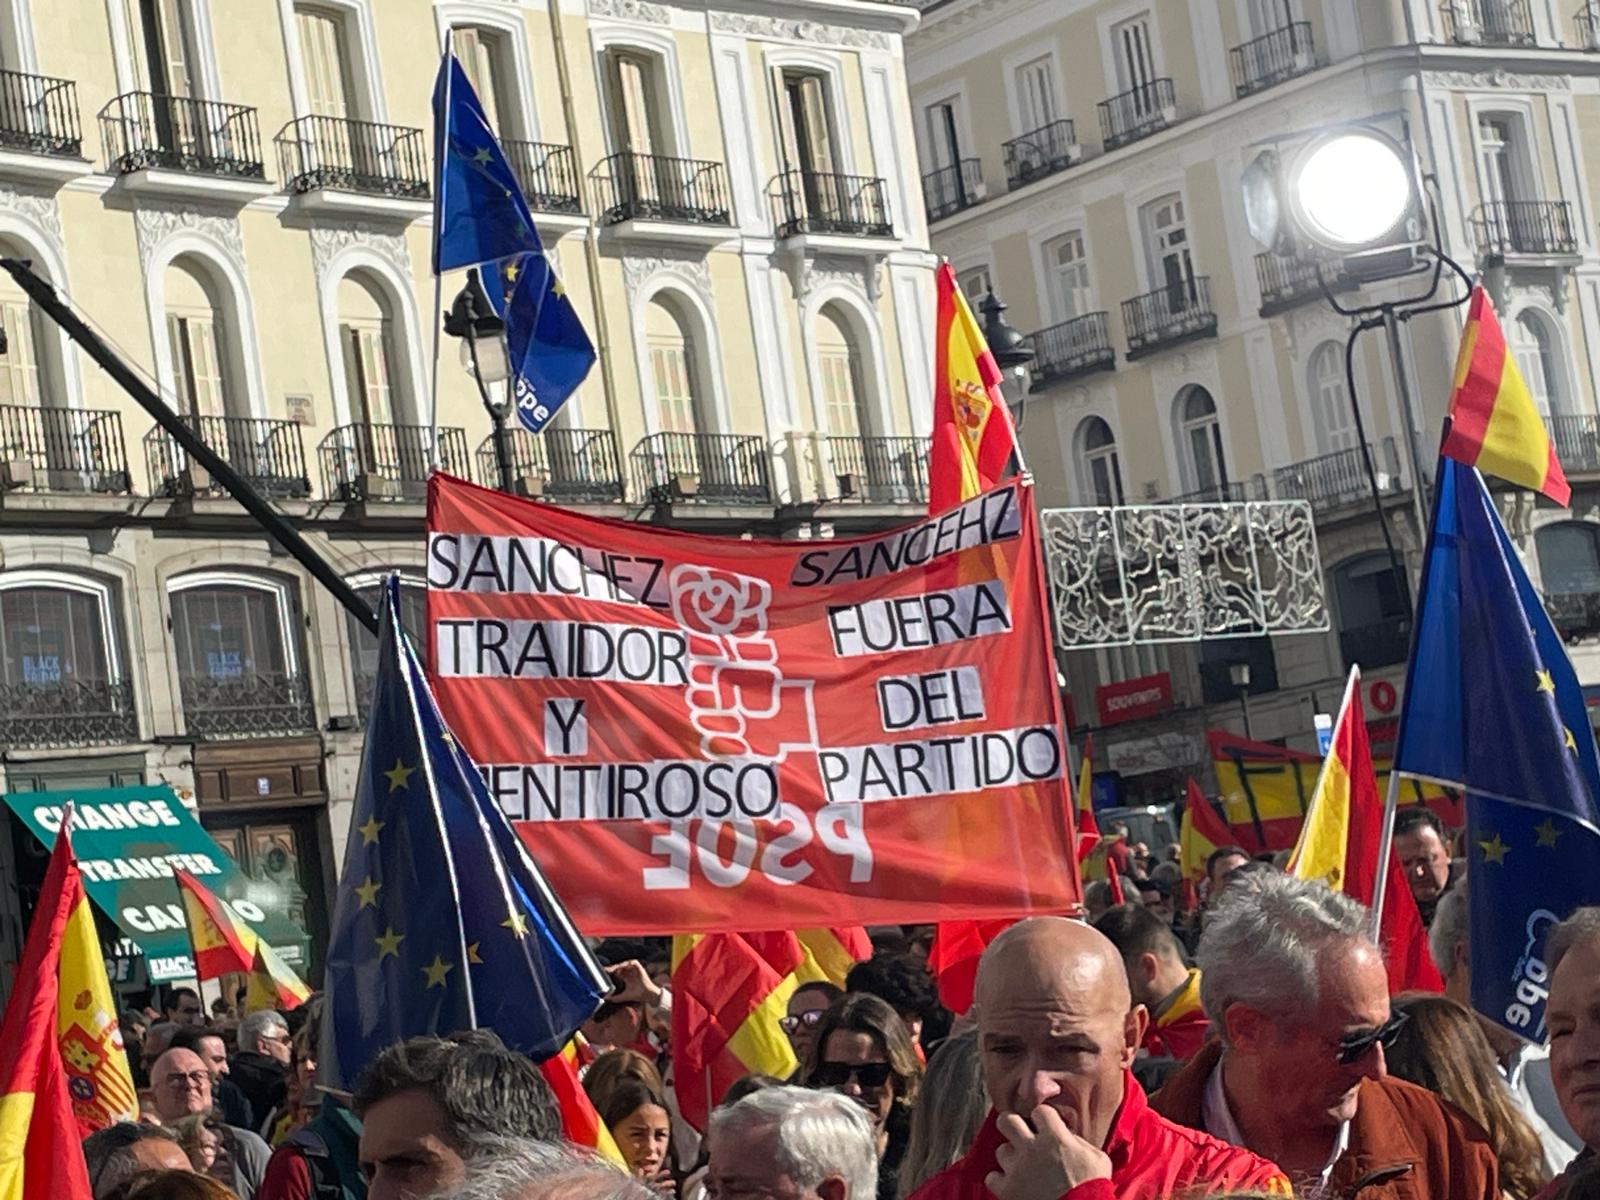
[830,951]
[973,438]
[96,1064]
[1340,841]
[224,944]
[579,1121]
[1493,423]
[1088,828]
[1202,831]
[39,1154]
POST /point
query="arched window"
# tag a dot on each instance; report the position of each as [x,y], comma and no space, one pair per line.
[482,55]
[1532,344]
[61,680]
[1101,469]
[238,666]
[28,368]
[839,365]
[1330,398]
[204,376]
[364,646]
[674,365]
[366,340]
[1200,442]
[1374,611]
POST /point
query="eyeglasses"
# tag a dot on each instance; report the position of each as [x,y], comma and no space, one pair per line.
[1354,1048]
[808,1019]
[837,1074]
[182,1083]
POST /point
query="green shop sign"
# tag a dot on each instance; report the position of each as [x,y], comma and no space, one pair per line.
[128,842]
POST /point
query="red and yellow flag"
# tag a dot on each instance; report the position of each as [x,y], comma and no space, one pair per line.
[973,438]
[579,1121]
[1088,828]
[830,952]
[1339,846]
[96,1064]
[1202,831]
[1493,423]
[39,1132]
[223,944]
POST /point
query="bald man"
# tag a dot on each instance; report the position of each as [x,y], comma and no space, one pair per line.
[1057,1032]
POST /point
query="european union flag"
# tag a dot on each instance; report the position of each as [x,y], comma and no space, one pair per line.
[479,213]
[442,921]
[1492,702]
[550,351]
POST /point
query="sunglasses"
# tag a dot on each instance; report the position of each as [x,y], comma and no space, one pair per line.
[1354,1048]
[837,1074]
[808,1019]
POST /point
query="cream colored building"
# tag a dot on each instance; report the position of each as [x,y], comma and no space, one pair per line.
[1085,157]
[236,194]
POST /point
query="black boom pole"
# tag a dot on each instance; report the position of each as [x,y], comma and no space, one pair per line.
[285,534]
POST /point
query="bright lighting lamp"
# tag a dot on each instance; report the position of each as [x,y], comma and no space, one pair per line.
[493,365]
[1351,190]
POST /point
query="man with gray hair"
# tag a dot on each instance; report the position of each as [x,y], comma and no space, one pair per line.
[523,1169]
[1300,995]
[1572,1015]
[118,1152]
[795,1143]
[261,1066]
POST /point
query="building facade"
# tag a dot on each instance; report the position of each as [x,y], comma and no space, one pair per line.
[1084,158]
[236,195]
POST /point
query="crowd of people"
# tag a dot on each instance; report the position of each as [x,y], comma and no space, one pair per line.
[1240,1040]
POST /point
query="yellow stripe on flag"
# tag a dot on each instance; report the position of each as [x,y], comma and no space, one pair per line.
[16,1114]
[1321,852]
[758,1042]
[86,1025]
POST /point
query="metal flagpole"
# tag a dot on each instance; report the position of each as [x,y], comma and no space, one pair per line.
[1381,884]
[435,460]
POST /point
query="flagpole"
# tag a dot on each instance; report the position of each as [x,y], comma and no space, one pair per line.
[1381,884]
[435,459]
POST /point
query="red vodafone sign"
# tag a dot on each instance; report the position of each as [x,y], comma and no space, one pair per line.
[1135,698]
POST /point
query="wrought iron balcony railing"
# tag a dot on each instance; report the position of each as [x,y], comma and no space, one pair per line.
[1040,152]
[705,468]
[67,714]
[250,704]
[1286,281]
[654,187]
[548,175]
[1575,615]
[144,130]
[1231,492]
[573,466]
[1377,644]
[353,156]
[387,462]
[39,114]
[821,202]
[1488,22]
[1531,227]
[1577,442]
[1331,481]
[1272,58]
[1137,113]
[1587,21]
[880,470]
[1072,348]
[64,450]
[948,190]
[267,452]
[1179,312]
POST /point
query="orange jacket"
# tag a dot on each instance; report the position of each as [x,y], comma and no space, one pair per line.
[1151,1159]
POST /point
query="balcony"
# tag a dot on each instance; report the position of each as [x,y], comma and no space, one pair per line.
[817,202]
[1287,282]
[701,468]
[364,463]
[1576,615]
[548,176]
[1137,113]
[879,470]
[1384,643]
[1071,348]
[1577,442]
[949,190]
[268,453]
[39,115]
[1272,58]
[1333,481]
[1525,228]
[1169,316]
[247,705]
[67,714]
[568,466]
[1040,152]
[1254,488]
[333,163]
[175,144]
[1488,22]
[63,450]
[1587,22]
[655,188]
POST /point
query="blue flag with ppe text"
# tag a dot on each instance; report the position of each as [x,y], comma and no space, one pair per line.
[549,350]
[442,921]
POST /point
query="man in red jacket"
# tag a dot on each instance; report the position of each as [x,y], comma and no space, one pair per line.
[1160,980]
[1057,1032]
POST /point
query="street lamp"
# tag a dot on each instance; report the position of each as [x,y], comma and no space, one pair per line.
[1239,673]
[1011,350]
[483,355]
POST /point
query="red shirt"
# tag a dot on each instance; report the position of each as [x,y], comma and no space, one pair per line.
[1182,1027]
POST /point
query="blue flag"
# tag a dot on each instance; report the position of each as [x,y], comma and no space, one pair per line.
[479,213]
[1492,703]
[443,921]
[549,349]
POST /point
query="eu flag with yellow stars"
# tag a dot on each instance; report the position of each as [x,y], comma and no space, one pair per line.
[443,922]
[479,213]
[549,350]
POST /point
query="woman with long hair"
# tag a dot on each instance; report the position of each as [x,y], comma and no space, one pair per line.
[952,1108]
[1442,1047]
[636,1115]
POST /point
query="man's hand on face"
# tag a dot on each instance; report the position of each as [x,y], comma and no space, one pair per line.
[1043,1162]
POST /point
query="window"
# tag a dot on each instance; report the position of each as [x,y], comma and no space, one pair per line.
[53,637]
[634,98]
[1067,266]
[974,283]
[1266,16]
[19,366]
[325,62]
[201,376]
[672,368]
[366,342]
[1134,60]
[364,646]
[165,52]
[1374,611]
[805,125]
[1167,250]
[839,366]
[1498,155]
[1330,399]
[479,52]
[1201,442]
[944,142]
[1218,657]
[1531,345]
[237,668]
[1102,472]
[1036,93]
[1569,558]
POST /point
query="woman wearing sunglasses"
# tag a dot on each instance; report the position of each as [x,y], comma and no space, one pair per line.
[863,1050]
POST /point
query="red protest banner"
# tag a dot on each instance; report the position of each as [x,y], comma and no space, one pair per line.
[700,734]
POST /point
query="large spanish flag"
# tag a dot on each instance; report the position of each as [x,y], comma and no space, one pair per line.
[1493,423]
[223,944]
[98,1076]
[1340,840]
[39,1154]
[973,438]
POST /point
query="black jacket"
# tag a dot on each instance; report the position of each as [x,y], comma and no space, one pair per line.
[263,1079]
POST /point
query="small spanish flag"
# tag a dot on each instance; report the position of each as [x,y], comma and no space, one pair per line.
[1493,423]
[224,943]
[1203,831]
[973,438]
[1088,828]
[579,1121]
